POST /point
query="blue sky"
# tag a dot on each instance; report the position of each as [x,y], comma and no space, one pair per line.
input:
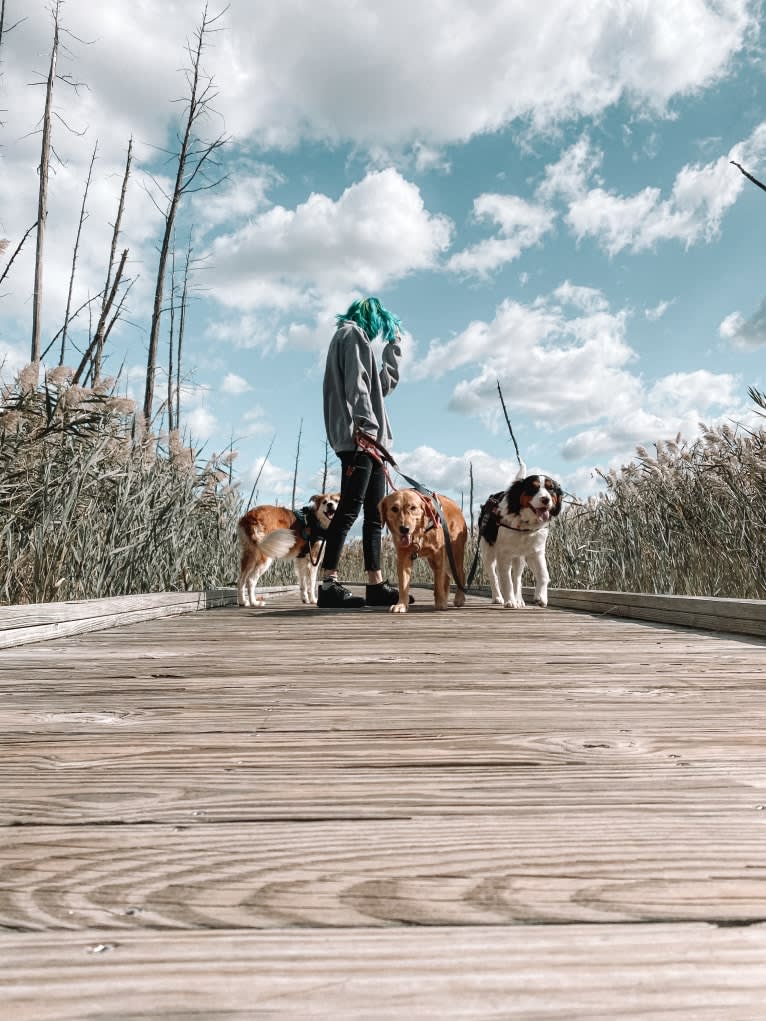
[543,196]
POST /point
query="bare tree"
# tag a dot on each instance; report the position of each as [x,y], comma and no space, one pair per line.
[254,490]
[42,195]
[470,492]
[171,337]
[182,329]
[297,460]
[110,287]
[326,467]
[100,337]
[194,157]
[80,222]
[44,171]
[508,422]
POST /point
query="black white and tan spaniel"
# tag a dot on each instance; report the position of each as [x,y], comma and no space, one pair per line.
[513,531]
[268,533]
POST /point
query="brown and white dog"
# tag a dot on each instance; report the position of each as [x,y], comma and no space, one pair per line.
[513,530]
[268,533]
[417,532]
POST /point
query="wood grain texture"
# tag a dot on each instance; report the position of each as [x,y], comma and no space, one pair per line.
[477,813]
[740,616]
[665,972]
[39,622]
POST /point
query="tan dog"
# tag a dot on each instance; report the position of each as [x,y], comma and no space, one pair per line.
[414,523]
[268,533]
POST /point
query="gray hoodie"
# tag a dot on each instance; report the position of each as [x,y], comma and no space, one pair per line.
[354,388]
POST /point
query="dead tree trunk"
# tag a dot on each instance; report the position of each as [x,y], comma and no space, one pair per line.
[181,330]
[193,157]
[297,461]
[470,493]
[89,353]
[172,339]
[326,467]
[42,195]
[109,293]
[81,221]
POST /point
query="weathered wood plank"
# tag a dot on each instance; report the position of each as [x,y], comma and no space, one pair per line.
[597,866]
[37,622]
[740,616]
[534,973]
[234,793]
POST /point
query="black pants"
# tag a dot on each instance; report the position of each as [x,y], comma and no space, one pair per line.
[362,486]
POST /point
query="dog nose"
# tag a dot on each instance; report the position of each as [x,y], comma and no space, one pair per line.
[404,529]
[545,499]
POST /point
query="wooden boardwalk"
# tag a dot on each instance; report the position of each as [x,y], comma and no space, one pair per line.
[240,814]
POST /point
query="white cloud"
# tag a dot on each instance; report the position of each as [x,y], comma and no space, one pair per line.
[657,311]
[563,361]
[201,423]
[745,334]
[493,64]
[700,196]
[560,370]
[377,231]
[244,193]
[234,384]
[680,392]
[522,224]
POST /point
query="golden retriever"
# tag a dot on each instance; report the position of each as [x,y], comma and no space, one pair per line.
[417,531]
[269,533]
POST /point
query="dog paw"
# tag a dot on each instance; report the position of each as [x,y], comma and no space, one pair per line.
[499,600]
[399,608]
[539,601]
[459,598]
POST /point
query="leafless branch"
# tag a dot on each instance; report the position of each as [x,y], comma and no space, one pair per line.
[19,246]
[199,98]
[748,176]
[508,422]
[81,221]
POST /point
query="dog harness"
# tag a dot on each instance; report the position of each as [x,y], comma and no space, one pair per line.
[309,529]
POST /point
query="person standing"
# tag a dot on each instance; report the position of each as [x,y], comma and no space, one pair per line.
[353,392]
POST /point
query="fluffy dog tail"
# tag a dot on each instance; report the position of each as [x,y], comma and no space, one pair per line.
[277,544]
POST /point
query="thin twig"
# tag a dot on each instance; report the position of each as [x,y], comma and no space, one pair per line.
[508,423]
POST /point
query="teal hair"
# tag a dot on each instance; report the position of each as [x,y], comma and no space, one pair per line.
[373,319]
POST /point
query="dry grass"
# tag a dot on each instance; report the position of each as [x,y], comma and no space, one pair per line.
[91,507]
[689,519]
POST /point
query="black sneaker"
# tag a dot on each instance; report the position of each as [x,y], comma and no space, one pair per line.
[382,594]
[335,597]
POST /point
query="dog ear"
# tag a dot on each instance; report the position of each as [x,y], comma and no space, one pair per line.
[382,510]
[316,499]
[514,496]
[558,493]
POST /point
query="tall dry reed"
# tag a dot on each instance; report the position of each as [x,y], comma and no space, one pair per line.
[688,519]
[90,507]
